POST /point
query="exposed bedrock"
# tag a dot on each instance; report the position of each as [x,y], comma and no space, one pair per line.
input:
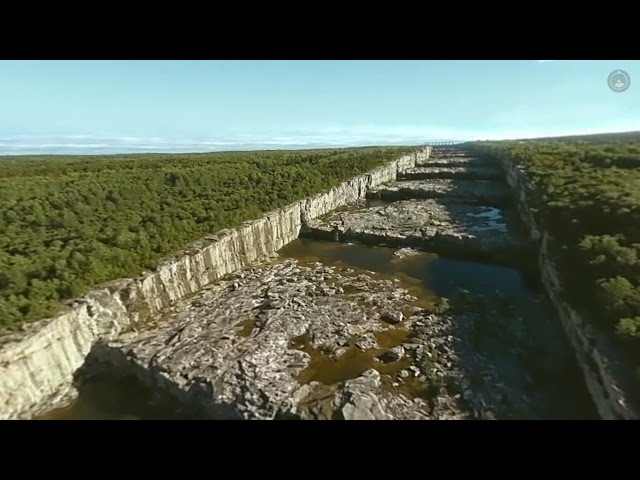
[458,161]
[488,192]
[472,171]
[437,225]
[307,341]
[36,365]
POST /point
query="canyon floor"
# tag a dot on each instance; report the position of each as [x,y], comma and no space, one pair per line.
[409,305]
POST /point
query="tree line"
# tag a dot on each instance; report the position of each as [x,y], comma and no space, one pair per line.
[585,191]
[68,223]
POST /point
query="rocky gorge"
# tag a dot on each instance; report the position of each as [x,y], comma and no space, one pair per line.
[38,363]
[393,296]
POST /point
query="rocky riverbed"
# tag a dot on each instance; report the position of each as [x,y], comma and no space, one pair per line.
[439,225]
[306,340]
[489,192]
[455,160]
[471,171]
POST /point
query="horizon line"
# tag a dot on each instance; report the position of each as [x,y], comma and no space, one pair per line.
[178,147]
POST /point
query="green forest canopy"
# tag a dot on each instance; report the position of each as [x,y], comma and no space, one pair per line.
[585,191]
[68,223]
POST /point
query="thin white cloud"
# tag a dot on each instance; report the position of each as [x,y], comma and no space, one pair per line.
[326,137]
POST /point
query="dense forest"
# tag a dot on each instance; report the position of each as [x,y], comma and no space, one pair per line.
[585,191]
[68,223]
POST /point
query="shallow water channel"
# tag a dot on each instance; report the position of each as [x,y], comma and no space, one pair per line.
[552,365]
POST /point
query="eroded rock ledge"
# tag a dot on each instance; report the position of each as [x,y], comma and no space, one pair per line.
[469,171]
[442,226]
[460,160]
[488,192]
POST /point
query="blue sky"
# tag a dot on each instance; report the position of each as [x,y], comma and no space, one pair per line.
[165,106]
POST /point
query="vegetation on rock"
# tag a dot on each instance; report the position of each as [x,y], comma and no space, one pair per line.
[585,192]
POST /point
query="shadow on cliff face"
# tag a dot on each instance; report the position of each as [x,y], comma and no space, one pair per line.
[512,367]
[111,387]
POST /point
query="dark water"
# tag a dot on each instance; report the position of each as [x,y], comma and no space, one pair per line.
[106,402]
[86,409]
[122,398]
[431,277]
[553,367]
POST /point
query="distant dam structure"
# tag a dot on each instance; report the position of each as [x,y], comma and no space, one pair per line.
[443,143]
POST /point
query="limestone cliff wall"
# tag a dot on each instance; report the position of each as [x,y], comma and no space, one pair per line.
[606,376]
[37,366]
